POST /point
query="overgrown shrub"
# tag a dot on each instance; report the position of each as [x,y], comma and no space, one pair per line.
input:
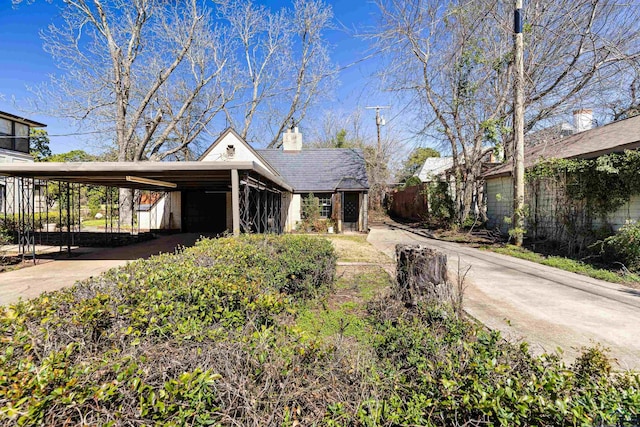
[311,219]
[190,338]
[438,370]
[411,181]
[10,222]
[441,206]
[310,209]
[208,336]
[625,245]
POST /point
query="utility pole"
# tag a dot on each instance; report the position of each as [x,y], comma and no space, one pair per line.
[518,127]
[379,121]
[376,201]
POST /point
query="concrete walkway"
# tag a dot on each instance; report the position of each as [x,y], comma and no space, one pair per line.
[547,307]
[49,275]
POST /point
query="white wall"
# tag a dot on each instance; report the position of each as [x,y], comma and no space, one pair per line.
[294,211]
[242,151]
[10,186]
[9,156]
[547,211]
[166,214]
[629,212]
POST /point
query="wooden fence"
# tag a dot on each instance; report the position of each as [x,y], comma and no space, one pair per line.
[409,203]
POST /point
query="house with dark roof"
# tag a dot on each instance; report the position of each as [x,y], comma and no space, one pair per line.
[336,177]
[615,137]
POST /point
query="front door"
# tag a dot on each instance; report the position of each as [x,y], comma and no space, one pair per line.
[351,211]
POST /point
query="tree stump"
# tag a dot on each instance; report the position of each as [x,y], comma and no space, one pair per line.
[421,275]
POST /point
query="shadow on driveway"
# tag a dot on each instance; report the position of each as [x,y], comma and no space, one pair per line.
[62,271]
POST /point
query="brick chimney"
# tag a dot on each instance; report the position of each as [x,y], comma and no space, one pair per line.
[582,120]
[292,140]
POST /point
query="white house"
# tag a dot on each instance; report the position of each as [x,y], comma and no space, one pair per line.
[14,148]
[336,177]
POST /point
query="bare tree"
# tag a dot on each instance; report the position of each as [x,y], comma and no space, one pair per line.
[137,70]
[150,75]
[284,63]
[455,58]
[347,131]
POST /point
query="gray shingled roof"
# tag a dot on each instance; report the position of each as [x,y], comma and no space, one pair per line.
[319,169]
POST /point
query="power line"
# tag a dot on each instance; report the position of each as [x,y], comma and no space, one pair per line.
[58,134]
[379,121]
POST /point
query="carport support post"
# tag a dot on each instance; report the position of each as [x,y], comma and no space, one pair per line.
[68,219]
[235,201]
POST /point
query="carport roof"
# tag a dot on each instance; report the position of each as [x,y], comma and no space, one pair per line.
[186,175]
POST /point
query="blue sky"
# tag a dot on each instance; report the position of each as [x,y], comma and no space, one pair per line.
[24,63]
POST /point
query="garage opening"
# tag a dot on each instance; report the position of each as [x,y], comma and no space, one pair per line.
[204,211]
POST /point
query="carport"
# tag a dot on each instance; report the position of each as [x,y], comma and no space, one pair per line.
[255,192]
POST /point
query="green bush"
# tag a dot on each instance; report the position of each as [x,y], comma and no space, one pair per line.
[441,206]
[208,336]
[10,222]
[167,340]
[311,219]
[411,182]
[625,245]
[438,370]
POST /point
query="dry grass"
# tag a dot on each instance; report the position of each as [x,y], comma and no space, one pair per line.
[355,248]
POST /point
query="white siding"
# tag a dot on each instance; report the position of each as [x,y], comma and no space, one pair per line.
[242,151]
[499,202]
[9,186]
[10,156]
[293,210]
[630,212]
[548,215]
[165,214]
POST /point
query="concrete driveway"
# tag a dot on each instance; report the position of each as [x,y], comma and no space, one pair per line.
[49,275]
[547,307]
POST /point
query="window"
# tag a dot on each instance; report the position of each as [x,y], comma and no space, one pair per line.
[14,136]
[6,134]
[22,137]
[324,200]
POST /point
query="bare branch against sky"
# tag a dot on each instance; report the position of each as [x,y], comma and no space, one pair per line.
[455,59]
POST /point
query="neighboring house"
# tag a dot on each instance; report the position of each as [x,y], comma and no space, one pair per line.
[439,169]
[614,137]
[434,169]
[14,148]
[336,177]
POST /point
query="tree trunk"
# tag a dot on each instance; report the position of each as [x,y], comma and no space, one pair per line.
[421,275]
[125,206]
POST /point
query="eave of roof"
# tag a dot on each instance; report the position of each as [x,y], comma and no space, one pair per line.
[184,174]
[232,131]
[22,120]
[614,137]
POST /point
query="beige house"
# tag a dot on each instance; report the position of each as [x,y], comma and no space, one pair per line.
[231,188]
[542,202]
